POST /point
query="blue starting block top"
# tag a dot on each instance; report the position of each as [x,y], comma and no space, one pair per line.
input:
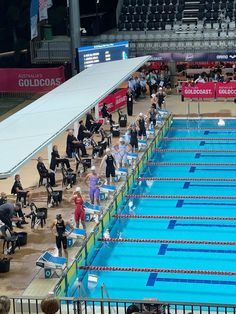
[123,170]
[95,208]
[57,260]
[76,232]
[142,142]
[132,156]
[109,188]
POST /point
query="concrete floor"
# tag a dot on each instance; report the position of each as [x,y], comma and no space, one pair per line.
[23,268]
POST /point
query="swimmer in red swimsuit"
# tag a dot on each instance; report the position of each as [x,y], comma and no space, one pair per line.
[79,213]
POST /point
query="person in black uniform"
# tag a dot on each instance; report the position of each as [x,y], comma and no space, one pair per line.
[133,138]
[141,126]
[129,101]
[82,131]
[161,95]
[73,145]
[61,235]
[20,192]
[44,173]
[110,165]
[91,124]
[106,114]
[56,160]
[10,213]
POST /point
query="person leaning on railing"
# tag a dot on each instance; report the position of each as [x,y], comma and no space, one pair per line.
[50,305]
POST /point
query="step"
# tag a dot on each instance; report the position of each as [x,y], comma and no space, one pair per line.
[192,2]
[189,19]
[191,10]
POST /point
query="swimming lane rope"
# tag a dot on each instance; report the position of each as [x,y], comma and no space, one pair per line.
[158,163]
[218,197]
[133,240]
[195,151]
[159,270]
[127,216]
[185,179]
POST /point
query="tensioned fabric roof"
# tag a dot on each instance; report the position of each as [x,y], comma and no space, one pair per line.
[29,130]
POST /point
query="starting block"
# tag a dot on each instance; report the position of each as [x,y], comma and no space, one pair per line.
[142,144]
[132,156]
[122,172]
[51,263]
[91,209]
[75,235]
[108,188]
[150,133]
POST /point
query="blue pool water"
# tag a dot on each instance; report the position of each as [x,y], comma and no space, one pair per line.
[173,286]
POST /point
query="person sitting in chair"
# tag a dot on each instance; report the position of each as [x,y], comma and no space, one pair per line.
[44,173]
[56,160]
[73,145]
[82,131]
[20,192]
[10,213]
[3,198]
[92,125]
[106,114]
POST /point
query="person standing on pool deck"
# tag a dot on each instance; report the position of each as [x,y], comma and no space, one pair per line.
[94,191]
[61,235]
[141,125]
[79,213]
[110,165]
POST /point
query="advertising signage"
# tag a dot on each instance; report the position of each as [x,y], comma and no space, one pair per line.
[189,57]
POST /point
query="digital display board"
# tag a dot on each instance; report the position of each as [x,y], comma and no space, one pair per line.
[89,55]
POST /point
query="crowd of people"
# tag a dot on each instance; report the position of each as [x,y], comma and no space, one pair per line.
[113,156]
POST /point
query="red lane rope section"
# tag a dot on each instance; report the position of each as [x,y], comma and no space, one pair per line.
[186,179]
[172,217]
[218,197]
[195,151]
[159,270]
[158,163]
[132,240]
[198,139]
[205,129]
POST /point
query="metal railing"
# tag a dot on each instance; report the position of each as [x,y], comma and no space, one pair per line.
[23,305]
[144,43]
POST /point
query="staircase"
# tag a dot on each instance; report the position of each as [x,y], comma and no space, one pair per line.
[190,12]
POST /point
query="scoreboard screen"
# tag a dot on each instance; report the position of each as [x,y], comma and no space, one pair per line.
[89,55]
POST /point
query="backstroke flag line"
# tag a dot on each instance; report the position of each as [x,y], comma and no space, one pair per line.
[34,18]
[44,5]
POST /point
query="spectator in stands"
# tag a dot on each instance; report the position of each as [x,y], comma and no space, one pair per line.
[143,87]
[131,84]
[50,305]
[129,101]
[20,192]
[151,81]
[73,145]
[79,213]
[3,198]
[5,304]
[110,165]
[9,213]
[61,234]
[137,87]
[44,172]
[200,79]
[56,160]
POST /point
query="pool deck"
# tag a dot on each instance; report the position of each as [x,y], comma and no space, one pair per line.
[24,277]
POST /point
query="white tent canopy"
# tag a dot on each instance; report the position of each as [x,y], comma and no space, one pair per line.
[29,130]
